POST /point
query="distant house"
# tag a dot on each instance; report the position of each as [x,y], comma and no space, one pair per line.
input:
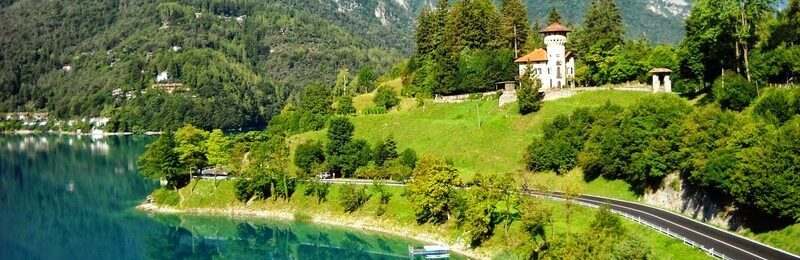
[553,65]
[162,77]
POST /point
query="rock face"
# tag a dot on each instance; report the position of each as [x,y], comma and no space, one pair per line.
[678,197]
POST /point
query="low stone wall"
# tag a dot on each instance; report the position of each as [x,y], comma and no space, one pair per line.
[459,98]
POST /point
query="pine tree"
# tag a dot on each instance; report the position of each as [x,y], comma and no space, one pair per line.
[603,25]
[535,39]
[425,34]
[515,25]
[553,16]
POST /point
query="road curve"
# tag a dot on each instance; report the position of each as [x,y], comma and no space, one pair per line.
[727,244]
[723,242]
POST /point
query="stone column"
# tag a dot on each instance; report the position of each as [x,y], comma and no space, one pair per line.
[655,83]
[667,84]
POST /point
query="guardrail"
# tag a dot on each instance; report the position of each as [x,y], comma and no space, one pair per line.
[665,231]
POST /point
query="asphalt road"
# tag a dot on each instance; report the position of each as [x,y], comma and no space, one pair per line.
[723,242]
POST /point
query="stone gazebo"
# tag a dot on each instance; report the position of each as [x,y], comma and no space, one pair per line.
[661,81]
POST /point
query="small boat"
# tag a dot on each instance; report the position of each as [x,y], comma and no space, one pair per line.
[429,252]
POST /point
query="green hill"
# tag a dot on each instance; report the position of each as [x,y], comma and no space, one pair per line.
[479,136]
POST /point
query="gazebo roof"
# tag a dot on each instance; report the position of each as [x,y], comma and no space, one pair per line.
[660,70]
[555,27]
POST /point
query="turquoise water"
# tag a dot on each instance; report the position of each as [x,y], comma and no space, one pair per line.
[67,197]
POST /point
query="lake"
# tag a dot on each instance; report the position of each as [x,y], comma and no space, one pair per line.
[73,197]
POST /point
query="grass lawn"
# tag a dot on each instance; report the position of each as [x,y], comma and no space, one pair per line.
[399,216]
[478,136]
[787,239]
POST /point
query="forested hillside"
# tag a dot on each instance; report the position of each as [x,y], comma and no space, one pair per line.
[239,60]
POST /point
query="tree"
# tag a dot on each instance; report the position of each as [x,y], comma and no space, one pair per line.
[733,92]
[386,98]
[340,89]
[315,107]
[535,217]
[366,80]
[515,26]
[190,149]
[385,151]
[217,148]
[553,16]
[424,36]
[353,197]
[777,106]
[308,154]
[340,132]
[161,161]
[602,25]
[528,92]
[431,190]
[704,137]
[482,200]
[346,106]
[408,158]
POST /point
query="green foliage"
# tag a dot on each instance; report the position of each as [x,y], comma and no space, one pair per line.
[638,145]
[340,132]
[431,189]
[191,148]
[161,161]
[385,151]
[408,158]
[317,189]
[778,106]
[315,107]
[528,96]
[353,197]
[733,92]
[480,218]
[308,154]
[703,140]
[386,98]
[374,110]
[602,26]
[346,106]
[365,82]
[515,27]
[216,147]
[553,16]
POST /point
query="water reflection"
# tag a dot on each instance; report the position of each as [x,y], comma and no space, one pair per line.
[203,237]
[66,197]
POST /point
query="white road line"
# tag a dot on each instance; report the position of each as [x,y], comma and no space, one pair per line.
[673,223]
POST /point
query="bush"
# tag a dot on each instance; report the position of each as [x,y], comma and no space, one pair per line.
[318,189]
[353,197]
[777,106]
[308,154]
[385,151]
[244,191]
[733,92]
[346,106]
[408,158]
[374,110]
[386,98]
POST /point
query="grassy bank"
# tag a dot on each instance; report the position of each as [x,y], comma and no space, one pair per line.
[211,197]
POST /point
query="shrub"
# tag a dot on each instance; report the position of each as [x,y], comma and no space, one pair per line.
[734,92]
[385,151]
[346,106]
[408,158]
[308,154]
[374,110]
[386,98]
[353,197]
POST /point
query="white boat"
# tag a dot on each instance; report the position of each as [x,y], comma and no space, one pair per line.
[429,252]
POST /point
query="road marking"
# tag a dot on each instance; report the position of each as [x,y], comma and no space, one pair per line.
[673,223]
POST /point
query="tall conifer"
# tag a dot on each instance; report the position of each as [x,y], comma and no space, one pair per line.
[515,25]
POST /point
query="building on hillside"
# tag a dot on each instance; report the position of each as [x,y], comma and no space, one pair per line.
[554,66]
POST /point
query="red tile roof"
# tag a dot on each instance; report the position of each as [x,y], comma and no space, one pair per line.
[555,27]
[536,55]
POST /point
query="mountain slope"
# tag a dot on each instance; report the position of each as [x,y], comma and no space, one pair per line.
[246,56]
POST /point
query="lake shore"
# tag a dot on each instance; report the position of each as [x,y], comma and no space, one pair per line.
[367,224]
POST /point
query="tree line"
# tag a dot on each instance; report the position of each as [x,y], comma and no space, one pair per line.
[746,157]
